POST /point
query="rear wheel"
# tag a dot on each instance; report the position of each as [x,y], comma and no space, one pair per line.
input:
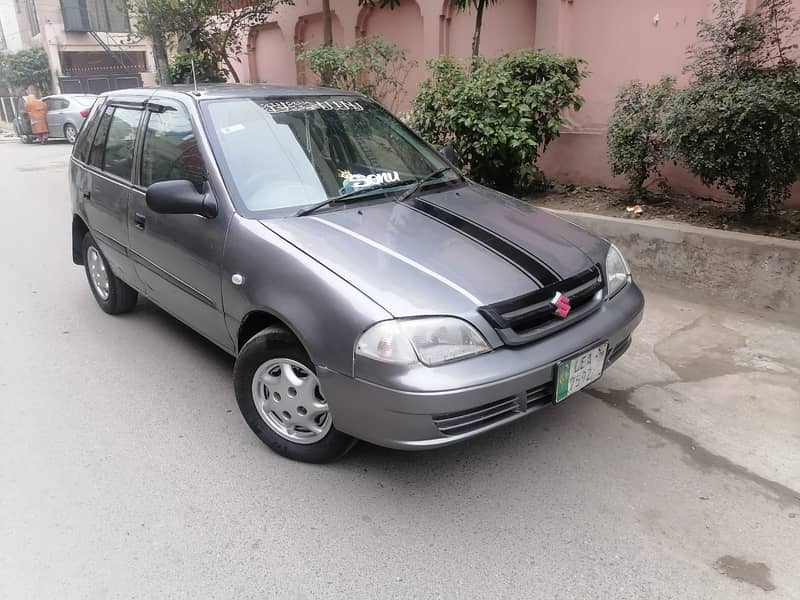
[70,133]
[280,398]
[113,295]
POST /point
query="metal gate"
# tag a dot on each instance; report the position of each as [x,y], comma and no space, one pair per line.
[97,84]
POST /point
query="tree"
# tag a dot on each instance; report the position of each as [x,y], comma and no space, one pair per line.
[190,66]
[24,68]
[480,6]
[327,23]
[212,27]
[326,74]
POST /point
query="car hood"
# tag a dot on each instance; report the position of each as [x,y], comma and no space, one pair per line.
[445,252]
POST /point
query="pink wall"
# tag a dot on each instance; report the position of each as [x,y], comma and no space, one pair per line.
[620,39]
[309,31]
[271,56]
[424,28]
[402,26]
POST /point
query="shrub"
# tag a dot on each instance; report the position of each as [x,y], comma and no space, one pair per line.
[740,45]
[737,125]
[742,135]
[498,114]
[636,146]
[373,66]
[205,69]
[430,116]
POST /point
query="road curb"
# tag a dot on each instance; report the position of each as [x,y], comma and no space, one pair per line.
[741,270]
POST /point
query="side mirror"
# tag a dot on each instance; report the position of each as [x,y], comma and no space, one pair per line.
[449,153]
[179,197]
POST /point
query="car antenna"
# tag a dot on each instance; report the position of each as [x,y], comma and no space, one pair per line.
[194,79]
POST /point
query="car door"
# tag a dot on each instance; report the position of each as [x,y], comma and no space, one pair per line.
[55,115]
[178,257]
[110,169]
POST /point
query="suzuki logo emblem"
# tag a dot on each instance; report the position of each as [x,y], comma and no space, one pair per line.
[561,303]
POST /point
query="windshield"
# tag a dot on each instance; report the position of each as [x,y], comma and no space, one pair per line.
[293,152]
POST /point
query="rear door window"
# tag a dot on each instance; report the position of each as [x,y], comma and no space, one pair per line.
[170,149]
[99,144]
[118,156]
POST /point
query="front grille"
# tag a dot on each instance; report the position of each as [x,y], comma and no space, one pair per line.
[531,316]
[475,418]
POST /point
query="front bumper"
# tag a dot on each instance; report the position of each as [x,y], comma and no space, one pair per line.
[520,382]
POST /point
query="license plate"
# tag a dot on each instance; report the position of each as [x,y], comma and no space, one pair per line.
[576,373]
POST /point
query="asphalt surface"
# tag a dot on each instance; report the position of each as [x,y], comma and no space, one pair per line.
[126,470]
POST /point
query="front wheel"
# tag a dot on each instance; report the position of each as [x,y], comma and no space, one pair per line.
[70,133]
[280,399]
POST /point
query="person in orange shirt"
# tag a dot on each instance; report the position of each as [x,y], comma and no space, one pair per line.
[37,111]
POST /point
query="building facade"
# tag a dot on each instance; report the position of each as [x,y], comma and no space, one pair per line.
[88,43]
[619,39]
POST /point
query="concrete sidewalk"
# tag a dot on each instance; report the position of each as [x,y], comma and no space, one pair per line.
[723,386]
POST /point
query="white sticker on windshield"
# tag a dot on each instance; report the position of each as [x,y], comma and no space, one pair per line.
[231,128]
[307,105]
[357,181]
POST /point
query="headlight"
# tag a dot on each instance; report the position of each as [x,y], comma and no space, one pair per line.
[617,272]
[431,340]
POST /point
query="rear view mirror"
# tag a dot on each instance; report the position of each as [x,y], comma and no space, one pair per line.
[179,197]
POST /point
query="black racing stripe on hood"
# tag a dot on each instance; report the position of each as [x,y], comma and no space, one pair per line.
[524,261]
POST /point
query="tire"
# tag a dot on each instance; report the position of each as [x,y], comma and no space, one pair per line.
[70,133]
[119,296]
[276,346]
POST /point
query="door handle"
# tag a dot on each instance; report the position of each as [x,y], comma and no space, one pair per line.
[87,195]
[138,220]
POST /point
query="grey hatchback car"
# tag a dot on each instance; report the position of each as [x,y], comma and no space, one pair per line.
[367,289]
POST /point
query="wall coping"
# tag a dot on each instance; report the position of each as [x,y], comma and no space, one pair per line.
[746,272]
[674,226]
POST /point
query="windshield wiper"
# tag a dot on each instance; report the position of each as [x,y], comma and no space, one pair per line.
[336,199]
[420,182]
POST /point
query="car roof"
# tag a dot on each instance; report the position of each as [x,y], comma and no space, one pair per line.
[70,96]
[225,90]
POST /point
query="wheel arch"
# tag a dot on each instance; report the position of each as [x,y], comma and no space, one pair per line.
[69,124]
[257,320]
[79,231]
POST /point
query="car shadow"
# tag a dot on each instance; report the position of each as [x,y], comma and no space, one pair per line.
[168,324]
[524,437]
[519,441]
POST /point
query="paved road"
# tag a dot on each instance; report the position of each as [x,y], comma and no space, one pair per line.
[127,472]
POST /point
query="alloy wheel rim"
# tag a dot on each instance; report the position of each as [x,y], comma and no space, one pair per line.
[97,272]
[288,399]
[71,134]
